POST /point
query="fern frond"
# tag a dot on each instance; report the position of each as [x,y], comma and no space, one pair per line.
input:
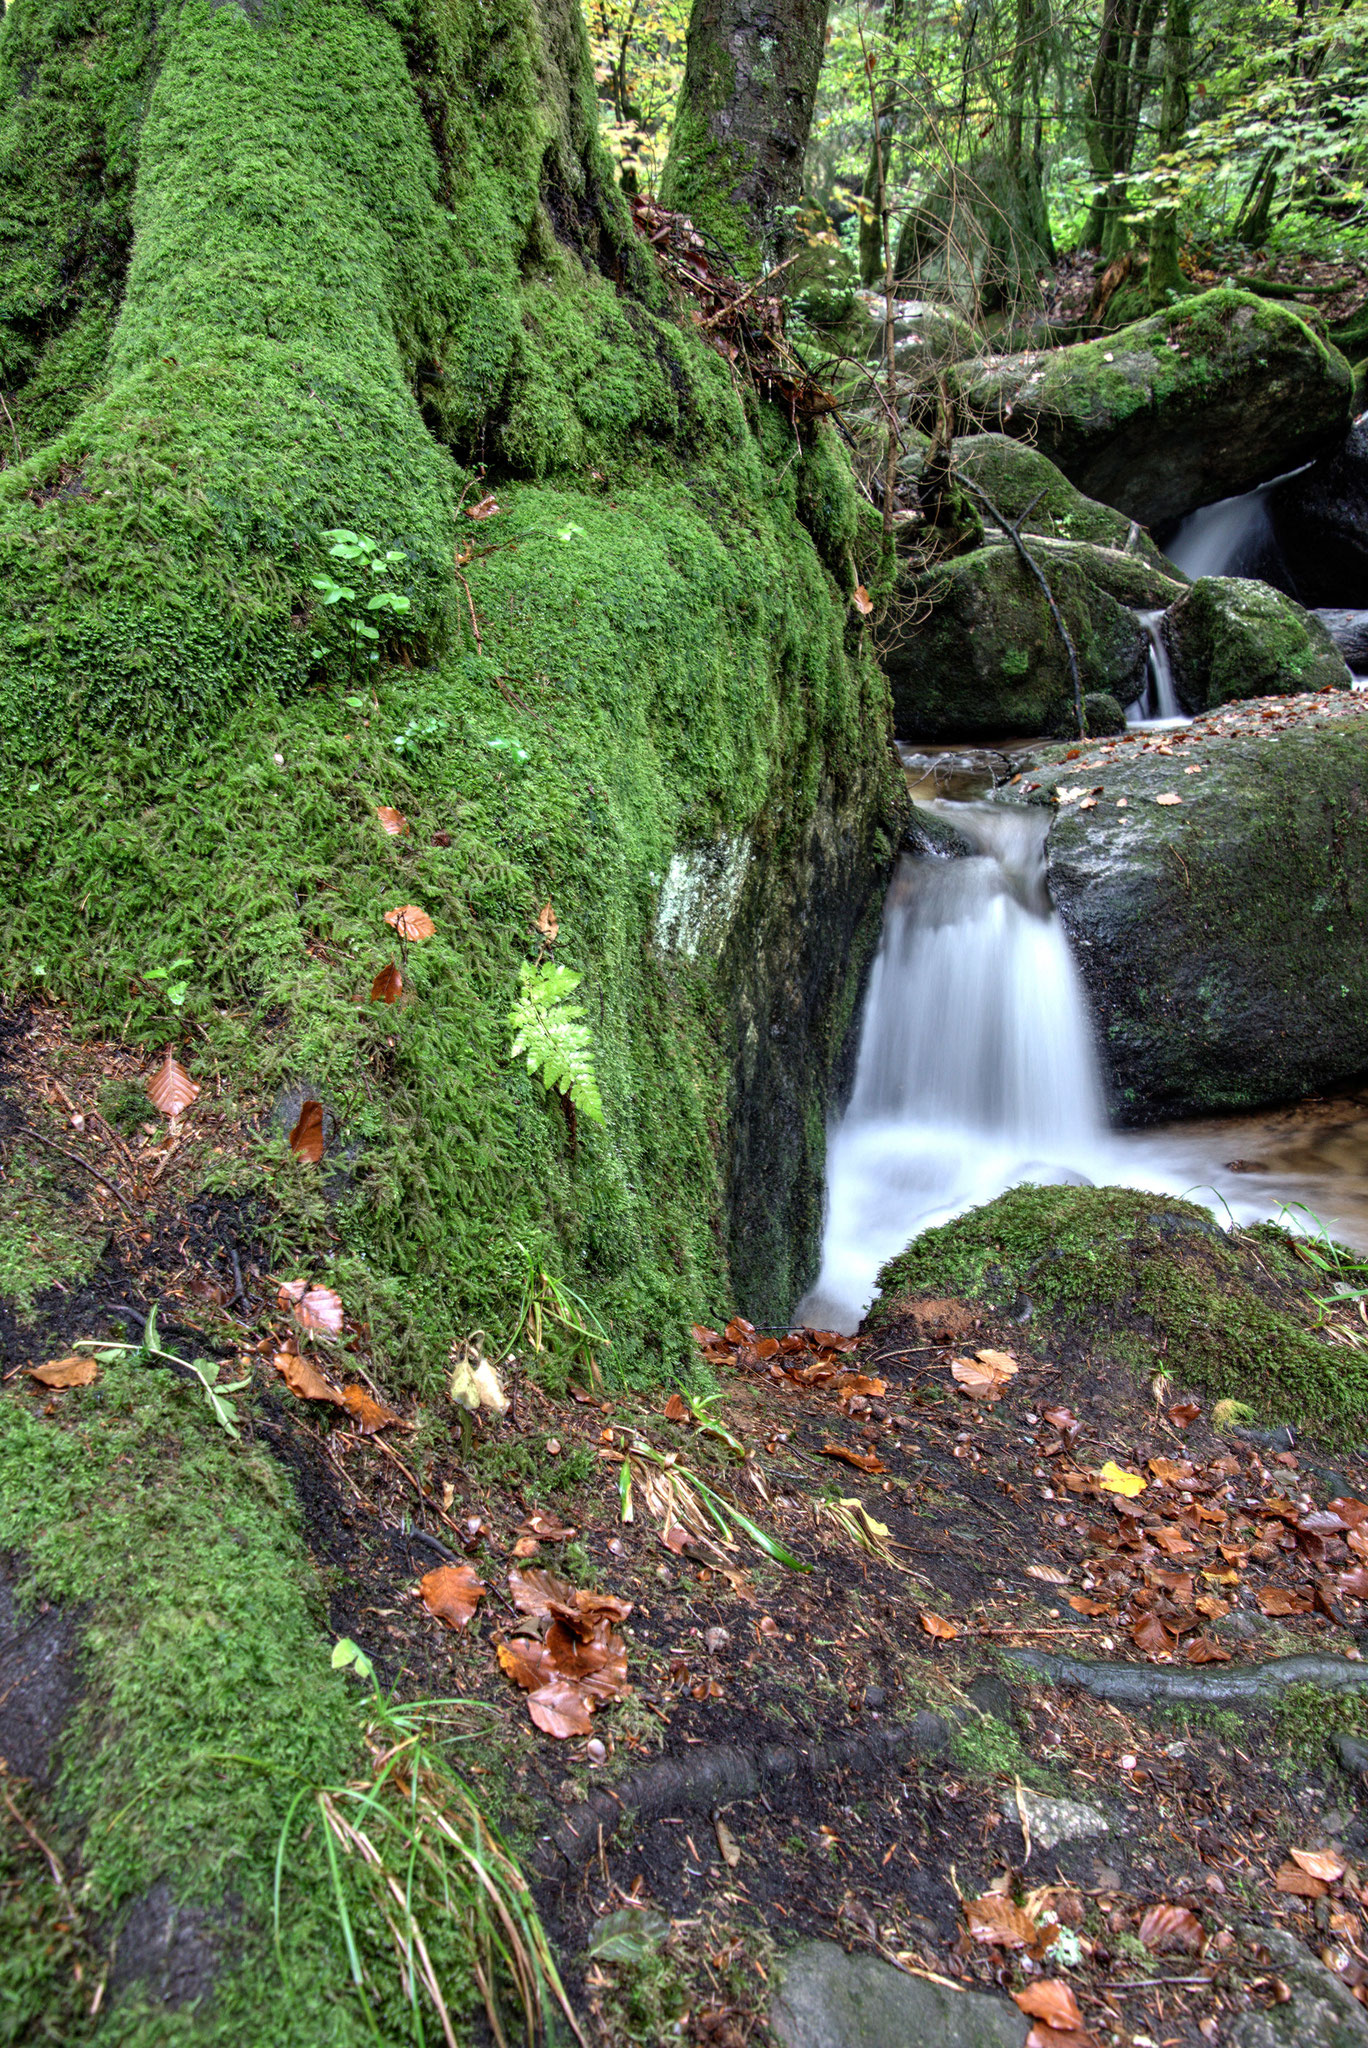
[548,1034]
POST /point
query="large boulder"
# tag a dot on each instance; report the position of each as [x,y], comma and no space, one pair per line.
[1201,402]
[1320,520]
[981,656]
[1223,938]
[1230,636]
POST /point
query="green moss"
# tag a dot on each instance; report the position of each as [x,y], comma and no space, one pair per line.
[1144,1277]
[42,1238]
[1305,1718]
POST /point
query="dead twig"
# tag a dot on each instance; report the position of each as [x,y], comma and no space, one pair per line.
[77,1160]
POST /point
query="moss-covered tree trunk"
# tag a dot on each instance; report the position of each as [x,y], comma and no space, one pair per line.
[1164,277]
[741,126]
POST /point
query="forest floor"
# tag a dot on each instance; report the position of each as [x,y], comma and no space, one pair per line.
[1333,289]
[838,1745]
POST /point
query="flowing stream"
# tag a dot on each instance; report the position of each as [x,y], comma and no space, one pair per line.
[977,1070]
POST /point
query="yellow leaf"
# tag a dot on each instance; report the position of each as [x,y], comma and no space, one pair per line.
[1114,1478]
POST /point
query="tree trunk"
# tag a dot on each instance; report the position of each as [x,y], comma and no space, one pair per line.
[741,126]
[1165,278]
[1113,103]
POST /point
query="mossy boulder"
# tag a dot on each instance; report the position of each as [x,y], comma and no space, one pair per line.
[1232,636]
[1320,522]
[1201,402]
[1119,1276]
[1223,938]
[981,656]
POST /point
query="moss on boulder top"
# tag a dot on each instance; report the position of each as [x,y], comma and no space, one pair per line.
[1201,402]
[1232,636]
[1117,1275]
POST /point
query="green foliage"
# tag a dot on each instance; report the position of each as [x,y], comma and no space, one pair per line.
[548,1034]
[1305,1718]
[362,636]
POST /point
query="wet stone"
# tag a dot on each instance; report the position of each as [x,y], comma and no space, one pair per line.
[1052,1821]
[1352,1752]
[828,1999]
[1321,2013]
[38,1681]
[171,1954]
[991,1695]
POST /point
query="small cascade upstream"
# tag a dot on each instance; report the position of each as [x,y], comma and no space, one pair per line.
[1160,699]
[1233,537]
[976,1066]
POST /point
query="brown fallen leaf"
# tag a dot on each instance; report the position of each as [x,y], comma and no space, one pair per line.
[863,1461]
[1322,1863]
[1168,1927]
[411,922]
[676,1409]
[525,1661]
[998,1922]
[72,1371]
[739,1331]
[1081,1604]
[452,1593]
[860,1383]
[319,1309]
[1172,1541]
[979,1379]
[559,1709]
[526,1546]
[170,1089]
[1047,1574]
[306,1139]
[1354,1583]
[304,1379]
[1300,1884]
[1042,2036]
[485,508]
[1168,798]
[539,1592]
[1064,1420]
[1150,1635]
[391,821]
[936,1625]
[368,1413]
[861,601]
[726,1842]
[1350,1512]
[1051,2001]
[548,1528]
[1201,1650]
[1283,1600]
[547,924]
[1182,1413]
[388,985]
[1169,1473]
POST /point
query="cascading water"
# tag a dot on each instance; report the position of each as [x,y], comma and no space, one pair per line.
[1160,699]
[976,1066]
[1233,537]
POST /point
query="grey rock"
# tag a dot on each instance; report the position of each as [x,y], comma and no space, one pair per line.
[828,1999]
[1052,1821]
[1223,941]
[991,1695]
[170,1953]
[1352,1752]
[928,1733]
[39,1682]
[1321,2013]
[1349,631]
[1320,523]
[1201,402]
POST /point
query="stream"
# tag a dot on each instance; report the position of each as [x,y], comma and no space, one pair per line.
[977,1066]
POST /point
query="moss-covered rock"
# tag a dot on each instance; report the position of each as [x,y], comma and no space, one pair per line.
[1223,938]
[1026,487]
[1200,402]
[983,658]
[1118,1276]
[1232,636]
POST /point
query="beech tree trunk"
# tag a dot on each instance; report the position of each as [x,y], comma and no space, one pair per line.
[741,127]
[1165,278]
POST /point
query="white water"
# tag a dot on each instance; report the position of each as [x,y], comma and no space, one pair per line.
[1224,539]
[1160,699]
[977,1071]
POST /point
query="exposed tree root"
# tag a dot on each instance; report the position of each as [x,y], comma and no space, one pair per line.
[1143,1685]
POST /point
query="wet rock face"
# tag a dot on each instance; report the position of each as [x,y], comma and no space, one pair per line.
[1322,2012]
[1231,636]
[1320,519]
[1201,402]
[1223,939]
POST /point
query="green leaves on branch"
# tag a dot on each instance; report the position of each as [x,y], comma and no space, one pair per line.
[548,1034]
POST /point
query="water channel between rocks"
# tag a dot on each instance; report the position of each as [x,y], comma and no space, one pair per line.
[977,1070]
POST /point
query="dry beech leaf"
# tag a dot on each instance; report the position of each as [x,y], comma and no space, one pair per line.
[452,1593]
[936,1625]
[306,1139]
[1165,1927]
[1300,1884]
[391,821]
[559,1709]
[548,924]
[1051,2001]
[1081,1604]
[72,1371]
[170,1089]
[1283,1600]
[1047,1574]
[368,1413]
[525,1662]
[1150,1635]
[863,1461]
[1051,2037]
[1201,1650]
[1184,1412]
[486,508]
[318,1309]
[676,1409]
[861,602]
[411,922]
[548,1529]
[1168,798]
[388,985]
[978,1379]
[1064,1420]
[998,1922]
[726,1842]
[1322,1863]
[1350,1512]
[304,1379]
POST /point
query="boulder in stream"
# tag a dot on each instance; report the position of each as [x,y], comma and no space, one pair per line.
[1220,917]
[1320,520]
[1201,402]
[1233,636]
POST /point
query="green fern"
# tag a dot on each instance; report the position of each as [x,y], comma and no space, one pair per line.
[549,1035]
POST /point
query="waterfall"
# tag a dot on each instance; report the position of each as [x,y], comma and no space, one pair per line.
[1233,537]
[1160,699]
[976,1067]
